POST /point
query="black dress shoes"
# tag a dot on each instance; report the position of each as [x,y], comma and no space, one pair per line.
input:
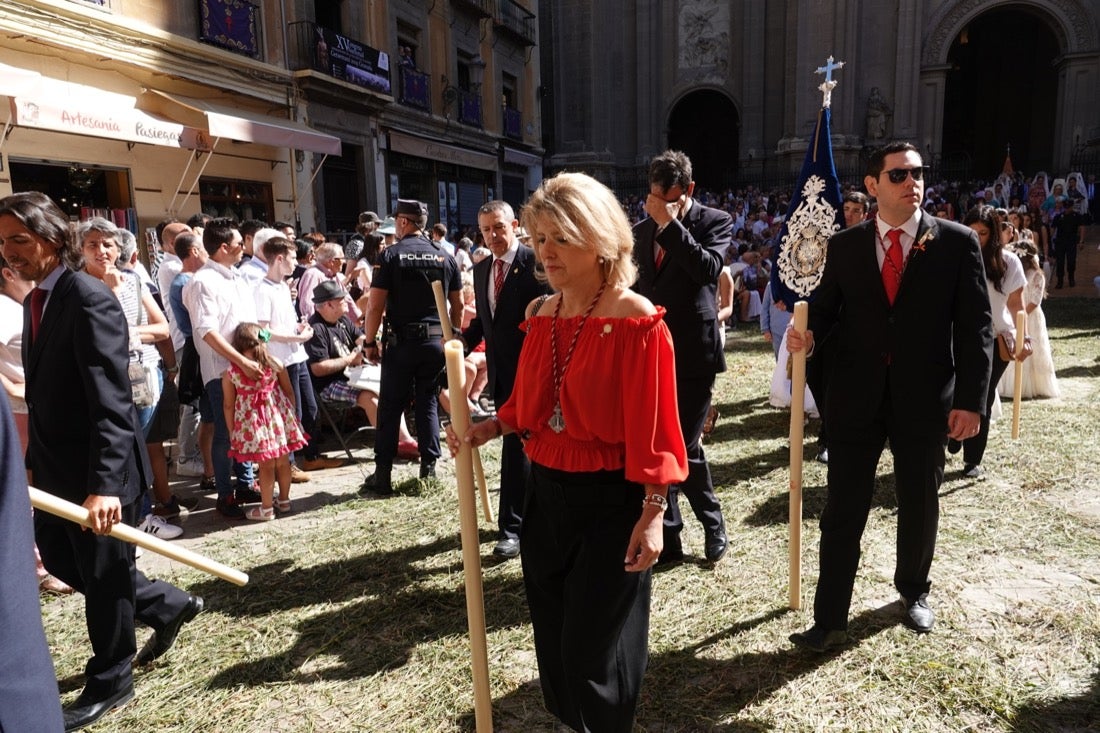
[671,555]
[819,640]
[918,614]
[161,641]
[715,543]
[378,483]
[84,711]
[507,548]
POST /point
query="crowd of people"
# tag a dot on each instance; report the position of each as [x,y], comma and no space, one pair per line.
[244,331]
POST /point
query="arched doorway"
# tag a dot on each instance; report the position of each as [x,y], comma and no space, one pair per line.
[1001,91]
[706,126]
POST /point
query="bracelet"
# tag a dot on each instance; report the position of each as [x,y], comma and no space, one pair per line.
[172,369]
[655,500]
[370,344]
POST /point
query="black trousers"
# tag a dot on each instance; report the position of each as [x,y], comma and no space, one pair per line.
[409,364]
[974,448]
[115,594]
[515,470]
[693,399]
[918,473]
[590,617]
[1065,258]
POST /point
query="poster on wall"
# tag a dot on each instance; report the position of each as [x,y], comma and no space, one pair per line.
[441,187]
[350,61]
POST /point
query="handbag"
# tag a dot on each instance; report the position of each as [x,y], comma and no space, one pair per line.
[144,377]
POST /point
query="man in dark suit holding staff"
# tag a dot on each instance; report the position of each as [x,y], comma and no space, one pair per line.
[504,285]
[680,250]
[86,446]
[903,301]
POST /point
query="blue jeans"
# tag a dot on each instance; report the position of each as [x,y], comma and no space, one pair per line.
[224,466]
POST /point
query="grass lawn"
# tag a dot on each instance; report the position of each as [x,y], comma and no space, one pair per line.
[355,620]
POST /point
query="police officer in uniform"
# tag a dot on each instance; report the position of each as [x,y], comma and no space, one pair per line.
[402,287]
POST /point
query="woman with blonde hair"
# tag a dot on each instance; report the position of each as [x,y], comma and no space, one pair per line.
[595,402]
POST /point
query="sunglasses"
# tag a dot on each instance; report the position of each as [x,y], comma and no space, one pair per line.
[898,175]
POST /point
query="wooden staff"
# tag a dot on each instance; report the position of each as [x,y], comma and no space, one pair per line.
[471,555]
[448,333]
[76,513]
[798,408]
[1018,382]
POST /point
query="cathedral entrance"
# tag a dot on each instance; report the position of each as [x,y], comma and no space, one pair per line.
[706,126]
[1001,91]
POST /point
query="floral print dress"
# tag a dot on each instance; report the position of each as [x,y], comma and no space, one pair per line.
[264,424]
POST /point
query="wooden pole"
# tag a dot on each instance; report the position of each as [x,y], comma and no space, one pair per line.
[798,410]
[448,333]
[75,513]
[1018,382]
[471,554]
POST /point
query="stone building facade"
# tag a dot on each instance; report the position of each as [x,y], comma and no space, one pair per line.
[732,83]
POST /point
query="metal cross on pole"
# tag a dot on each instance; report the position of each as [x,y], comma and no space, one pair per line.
[829,84]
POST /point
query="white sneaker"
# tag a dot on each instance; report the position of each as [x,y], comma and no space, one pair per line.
[156,526]
[190,469]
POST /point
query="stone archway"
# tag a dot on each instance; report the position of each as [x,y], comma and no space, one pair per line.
[1001,91]
[1069,25]
[705,124]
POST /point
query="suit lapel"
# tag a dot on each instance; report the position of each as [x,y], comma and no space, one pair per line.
[50,316]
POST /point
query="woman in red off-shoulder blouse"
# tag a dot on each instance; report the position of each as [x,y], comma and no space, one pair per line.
[595,403]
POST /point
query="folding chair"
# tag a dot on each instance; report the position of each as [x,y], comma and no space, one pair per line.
[335,414]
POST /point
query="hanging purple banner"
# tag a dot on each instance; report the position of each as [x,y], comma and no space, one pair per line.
[230,24]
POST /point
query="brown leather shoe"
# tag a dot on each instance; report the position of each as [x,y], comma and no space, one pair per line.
[320,463]
[50,584]
[298,476]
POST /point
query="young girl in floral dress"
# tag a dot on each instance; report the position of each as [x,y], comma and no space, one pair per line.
[260,412]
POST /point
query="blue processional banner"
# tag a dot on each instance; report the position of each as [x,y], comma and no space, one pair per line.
[814,215]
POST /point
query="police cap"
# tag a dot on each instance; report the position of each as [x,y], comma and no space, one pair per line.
[411,207]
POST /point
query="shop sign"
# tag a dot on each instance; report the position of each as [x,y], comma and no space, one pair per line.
[130,125]
[438,151]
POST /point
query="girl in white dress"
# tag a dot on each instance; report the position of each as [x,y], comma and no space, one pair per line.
[1039,378]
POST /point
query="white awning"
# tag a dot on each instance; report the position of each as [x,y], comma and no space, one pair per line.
[44,103]
[235,124]
[15,81]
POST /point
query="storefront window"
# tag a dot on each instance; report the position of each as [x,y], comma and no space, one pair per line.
[235,199]
[82,191]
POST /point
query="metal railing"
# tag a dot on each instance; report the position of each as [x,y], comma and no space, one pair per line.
[513,123]
[469,108]
[518,20]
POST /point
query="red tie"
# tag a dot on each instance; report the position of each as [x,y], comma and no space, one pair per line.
[660,256]
[38,304]
[891,265]
[498,279]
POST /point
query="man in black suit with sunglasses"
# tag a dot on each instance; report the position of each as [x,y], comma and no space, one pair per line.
[903,301]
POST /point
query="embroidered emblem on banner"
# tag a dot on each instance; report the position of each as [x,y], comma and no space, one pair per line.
[804,246]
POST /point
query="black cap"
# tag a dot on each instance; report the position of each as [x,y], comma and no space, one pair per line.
[328,290]
[369,217]
[411,207]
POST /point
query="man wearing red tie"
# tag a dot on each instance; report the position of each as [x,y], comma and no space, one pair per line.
[680,250]
[504,285]
[903,301]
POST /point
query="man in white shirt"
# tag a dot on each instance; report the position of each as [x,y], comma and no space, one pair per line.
[254,269]
[439,236]
[218,300]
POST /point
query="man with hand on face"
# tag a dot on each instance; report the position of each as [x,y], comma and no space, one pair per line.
[504,285]
[904,305]
[680,250]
